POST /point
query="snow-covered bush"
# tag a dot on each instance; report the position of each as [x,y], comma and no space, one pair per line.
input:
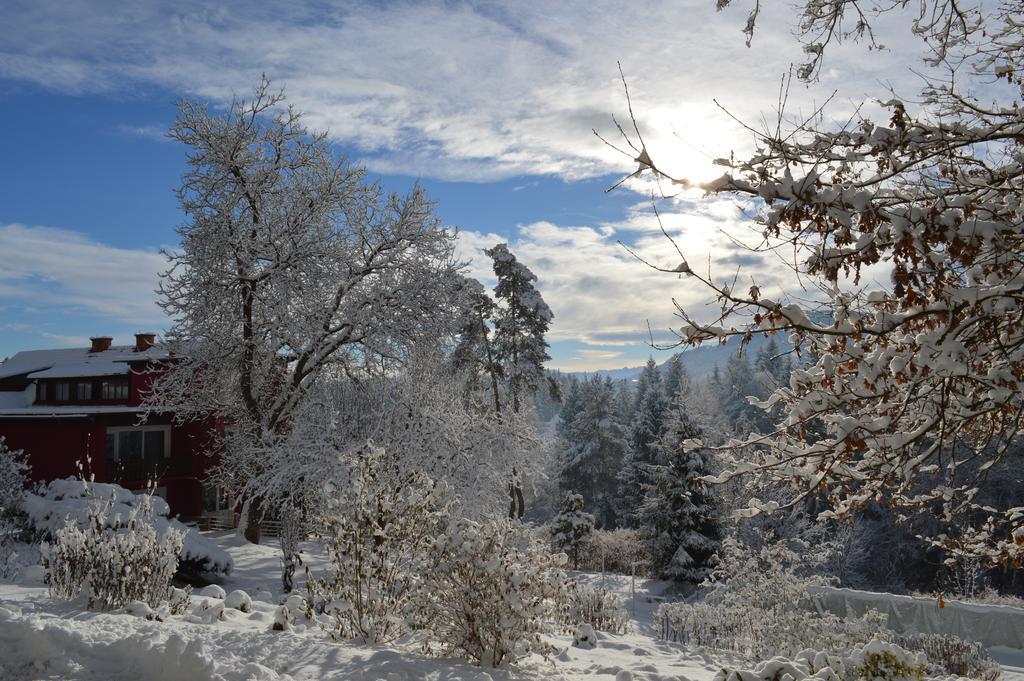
[572,528]
[949,655]
[13,473]
[378,527]
[75,501]
[599,608]
[874,661]
[491,594]
[759,607]
[114,566]
[621,551]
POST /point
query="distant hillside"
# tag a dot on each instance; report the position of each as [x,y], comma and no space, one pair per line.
[700,361]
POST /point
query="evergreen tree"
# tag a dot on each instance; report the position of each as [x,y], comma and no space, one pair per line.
[644,431]
[677,517]
[572,404]
[519,325]
[572,528]
[624,402]
[474,352]
[674,371]
[596,447]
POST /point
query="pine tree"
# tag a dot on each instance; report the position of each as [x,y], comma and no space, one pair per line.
[624,402]
[519,325]
[644,431]
[674,372]
[677,517]
[572,528]
[475,349]
[596,447]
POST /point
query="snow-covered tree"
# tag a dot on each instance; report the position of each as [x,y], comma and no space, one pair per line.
[571,528]
[520,324]
[923,374]
[290,263]
[645,429]
[475,352]
[679,516]
[596,446]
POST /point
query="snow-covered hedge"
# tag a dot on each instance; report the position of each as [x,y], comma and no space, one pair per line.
[114,566]
[492,593]
[73,501]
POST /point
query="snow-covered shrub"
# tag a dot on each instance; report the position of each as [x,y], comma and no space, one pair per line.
[238,600]
[759,607]
[492,593]
[888,661]
[13,474]
[377,528]
[114,566]
[621,551]
[873,661]
[584,637]
[571,529]
[72,500]
[599,608]
[949,654]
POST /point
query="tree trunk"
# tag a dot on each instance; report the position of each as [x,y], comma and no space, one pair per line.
[252,524]
[517,506]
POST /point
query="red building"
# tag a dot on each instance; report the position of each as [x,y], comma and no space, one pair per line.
[82,405]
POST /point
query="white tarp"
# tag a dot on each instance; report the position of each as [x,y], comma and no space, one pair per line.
[990,625]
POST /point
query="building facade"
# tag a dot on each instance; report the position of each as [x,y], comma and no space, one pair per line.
[79,411]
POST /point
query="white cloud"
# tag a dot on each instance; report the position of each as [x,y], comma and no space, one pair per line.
[468,91]
[66,271]
[605,297]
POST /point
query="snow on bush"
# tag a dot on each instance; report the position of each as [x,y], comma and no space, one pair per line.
[759,608]
[572,527]
[73,500]
[114,565]
[949,654]
[238,600]
[598,608]
[492,593]
[874,661]
[377,528]
[13,472]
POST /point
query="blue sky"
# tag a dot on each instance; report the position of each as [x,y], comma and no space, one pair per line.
[489,105]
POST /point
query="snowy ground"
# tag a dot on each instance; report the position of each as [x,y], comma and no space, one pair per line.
[45,639]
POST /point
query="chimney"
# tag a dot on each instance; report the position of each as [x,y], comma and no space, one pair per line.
[100,343]
[144,341]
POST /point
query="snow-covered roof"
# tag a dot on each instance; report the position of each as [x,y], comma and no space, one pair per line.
[78,362]
[17,399]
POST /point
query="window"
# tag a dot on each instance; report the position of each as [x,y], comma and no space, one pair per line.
[62,391]
[139,453]
[41,395]
[83,391]
[115,390]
